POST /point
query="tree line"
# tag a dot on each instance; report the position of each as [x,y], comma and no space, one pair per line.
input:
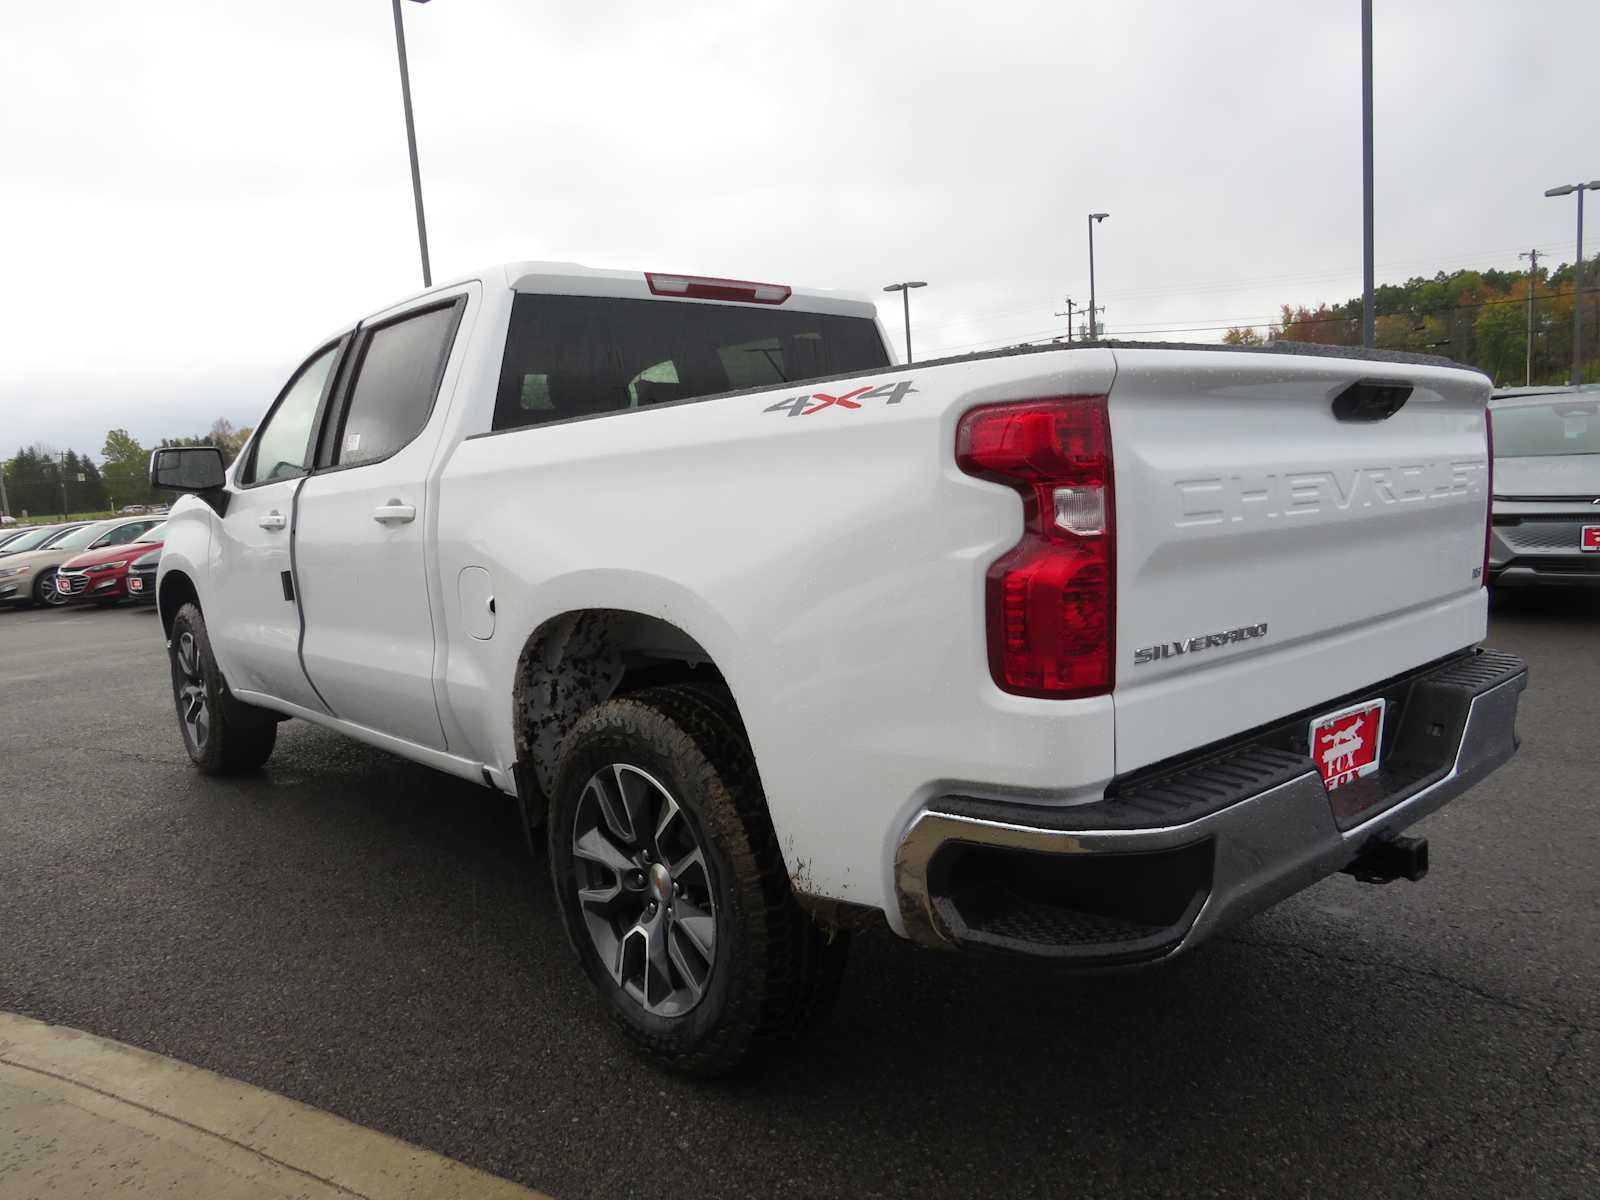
[41,479]
[1479,318]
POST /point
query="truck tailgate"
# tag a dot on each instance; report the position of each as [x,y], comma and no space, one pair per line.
[1270,555]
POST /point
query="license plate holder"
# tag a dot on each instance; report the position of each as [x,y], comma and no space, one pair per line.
[1346,744]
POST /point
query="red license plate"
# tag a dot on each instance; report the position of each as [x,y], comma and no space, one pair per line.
[1589,539]
[1345,744]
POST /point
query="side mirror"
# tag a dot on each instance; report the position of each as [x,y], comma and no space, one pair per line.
[187,469]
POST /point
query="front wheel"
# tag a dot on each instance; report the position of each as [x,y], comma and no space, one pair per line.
[45,593]
[222,735]
[672,886]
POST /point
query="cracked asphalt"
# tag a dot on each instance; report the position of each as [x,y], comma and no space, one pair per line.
[367,936]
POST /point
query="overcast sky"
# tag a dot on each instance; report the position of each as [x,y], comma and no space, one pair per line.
[192,193]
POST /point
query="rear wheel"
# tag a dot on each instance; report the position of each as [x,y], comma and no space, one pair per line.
[672,886]
[222,735]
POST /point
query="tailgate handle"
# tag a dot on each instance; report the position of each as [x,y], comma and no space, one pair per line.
[1371,400]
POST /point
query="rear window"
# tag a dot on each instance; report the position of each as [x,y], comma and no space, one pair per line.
[575,356]
[1562,427]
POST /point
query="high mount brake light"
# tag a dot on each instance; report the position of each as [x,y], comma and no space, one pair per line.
[699,287]
[1488,487]
[1051,599]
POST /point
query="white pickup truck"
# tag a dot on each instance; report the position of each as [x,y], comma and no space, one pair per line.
[1080,652]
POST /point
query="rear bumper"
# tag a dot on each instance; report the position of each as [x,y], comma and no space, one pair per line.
[1176,854]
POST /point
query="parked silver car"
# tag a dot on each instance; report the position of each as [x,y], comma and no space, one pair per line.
[1546,526]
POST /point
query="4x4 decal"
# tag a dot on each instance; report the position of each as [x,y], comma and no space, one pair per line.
[804,406]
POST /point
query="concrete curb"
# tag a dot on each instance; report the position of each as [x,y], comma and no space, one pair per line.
[82,1115]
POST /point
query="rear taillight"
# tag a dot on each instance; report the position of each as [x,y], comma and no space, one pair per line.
[1051,598]
[1488,487]
[699,287]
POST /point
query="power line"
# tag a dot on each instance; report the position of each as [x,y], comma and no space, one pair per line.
[1048,335]
[1239,283]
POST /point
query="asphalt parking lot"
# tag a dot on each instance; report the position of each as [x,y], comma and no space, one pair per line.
[368,936]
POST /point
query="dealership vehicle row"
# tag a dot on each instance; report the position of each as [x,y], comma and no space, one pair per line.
[86,562]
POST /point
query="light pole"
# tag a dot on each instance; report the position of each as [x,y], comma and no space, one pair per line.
[1577,275]
[1093,219]
[905,296]
[1368,307]
[411,140]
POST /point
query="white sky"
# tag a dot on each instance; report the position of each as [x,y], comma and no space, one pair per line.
[192,193]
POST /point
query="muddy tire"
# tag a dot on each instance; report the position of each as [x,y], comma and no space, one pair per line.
[222,735]
[672,885]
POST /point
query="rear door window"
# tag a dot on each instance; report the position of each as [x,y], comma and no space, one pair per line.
[578,356]
[397,378]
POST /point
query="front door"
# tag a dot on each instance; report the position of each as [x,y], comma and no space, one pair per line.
[361,523]
[252,619]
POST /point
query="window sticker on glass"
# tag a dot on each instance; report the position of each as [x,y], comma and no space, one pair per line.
[352,442]
[536,393]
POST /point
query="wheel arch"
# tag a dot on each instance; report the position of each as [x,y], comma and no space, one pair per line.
[174,591]
[581,658]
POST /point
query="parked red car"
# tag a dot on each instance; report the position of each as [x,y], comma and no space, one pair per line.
[101,576]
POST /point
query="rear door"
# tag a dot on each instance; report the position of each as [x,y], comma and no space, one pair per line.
[252,620]
[361,527]
[1273,554]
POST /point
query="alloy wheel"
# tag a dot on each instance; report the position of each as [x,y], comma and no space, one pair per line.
[645,889]
[193,707]
[49,593]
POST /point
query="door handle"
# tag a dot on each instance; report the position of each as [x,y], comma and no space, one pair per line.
[273,520]
[394,511]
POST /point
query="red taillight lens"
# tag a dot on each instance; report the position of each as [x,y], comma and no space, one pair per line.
[1052,598]
[700,287]
[1488,487]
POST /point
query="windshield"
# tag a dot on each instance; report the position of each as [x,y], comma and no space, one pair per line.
[158,533]
[1562,427]
[77,539]
[34,539]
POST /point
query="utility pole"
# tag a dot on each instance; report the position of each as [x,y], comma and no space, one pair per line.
[411,142]
[1088,332]
[62,468]
[1068,316]
[1368,310]
[1533,282]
